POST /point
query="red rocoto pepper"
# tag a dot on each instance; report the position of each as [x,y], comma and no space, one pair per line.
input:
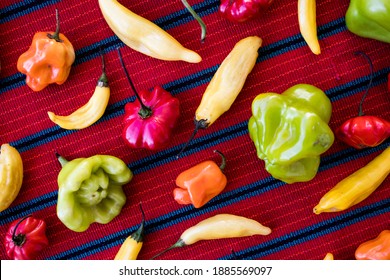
[26,238]
[150,119]
[364,131]
[243,10]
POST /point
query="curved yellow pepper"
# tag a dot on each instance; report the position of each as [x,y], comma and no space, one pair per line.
[11,175]
[357,186]
[308,24]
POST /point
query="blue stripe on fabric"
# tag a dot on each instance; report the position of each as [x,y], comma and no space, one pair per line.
[23,8]
[314,231]
[177,216]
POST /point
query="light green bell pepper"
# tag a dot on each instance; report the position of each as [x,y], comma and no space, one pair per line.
[90,190]
[290,131]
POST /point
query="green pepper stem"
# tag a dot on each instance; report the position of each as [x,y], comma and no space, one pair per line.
[223,164]
[199,124]
[56,35]
[20,238]
[138,235]
[103,80]
[198,19]
[145,111]
[178,244]
[61,159]
[370,82]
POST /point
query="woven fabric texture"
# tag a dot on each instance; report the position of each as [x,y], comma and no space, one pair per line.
[284,60]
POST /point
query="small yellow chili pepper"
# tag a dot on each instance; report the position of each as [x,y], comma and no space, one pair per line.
[308,24]
[357,186]
[217,227]
[329,257]
[226,83]
[133,244]
[143,35]
[11,175]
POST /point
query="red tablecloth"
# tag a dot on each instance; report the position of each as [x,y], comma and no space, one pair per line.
[284,60]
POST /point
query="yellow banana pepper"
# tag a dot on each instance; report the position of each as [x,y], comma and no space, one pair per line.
[308,24]
[357,186]
[11,175]
[133,244]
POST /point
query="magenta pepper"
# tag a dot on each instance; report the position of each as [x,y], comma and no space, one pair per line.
[364,131]
[243,10]
[151,118]
[26,238]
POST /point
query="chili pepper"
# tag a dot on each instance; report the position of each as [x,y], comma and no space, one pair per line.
[150,119]
[217,227]
[26,238]
[198,19]
[90,190]
[11,175]
[357,186]
[143,35]
[364,131]
[308,25]
[329,257]
[133,244]
[290,131]
[201,183]
[226,84]
[375,249]
[90,112]
[48,60]
[369,19]
[243,10]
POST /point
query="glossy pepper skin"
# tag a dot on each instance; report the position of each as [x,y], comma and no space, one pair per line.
[26,238]
[151,118]
[290,131]
[375,249]
[369,19]
[201,183]
[90,190]
[48,60]
[243,10]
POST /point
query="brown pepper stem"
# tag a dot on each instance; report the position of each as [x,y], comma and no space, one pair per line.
[199,124]
[145,111]
[178,244]
[56,35]
[20,238]
[138,235]
[103,80]
[223,164]
[370,82]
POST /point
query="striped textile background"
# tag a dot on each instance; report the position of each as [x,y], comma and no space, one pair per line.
[284,60]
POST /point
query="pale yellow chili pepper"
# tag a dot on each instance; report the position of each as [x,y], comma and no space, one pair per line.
[357,186]
[11,175]
[226,83]
[329,257]
[308,24]
[143,35]
[217,227]
[133,244]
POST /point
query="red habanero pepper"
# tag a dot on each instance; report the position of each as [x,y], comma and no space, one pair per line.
[26,238]
[201,183]
[364,131]
[150,119]
[48,60]
[243,10]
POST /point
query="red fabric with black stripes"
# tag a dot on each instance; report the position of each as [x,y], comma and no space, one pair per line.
[284,61]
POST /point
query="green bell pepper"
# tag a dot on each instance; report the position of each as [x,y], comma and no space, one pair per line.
[369,19]
[290,131]
[90,190]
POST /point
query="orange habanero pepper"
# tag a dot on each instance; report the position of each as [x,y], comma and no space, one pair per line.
[375,249]
[48,60]
[202,182]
